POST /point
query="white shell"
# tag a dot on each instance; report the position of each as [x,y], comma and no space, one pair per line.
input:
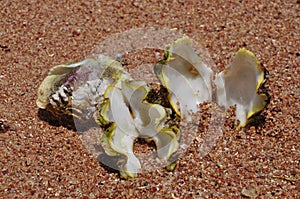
[186,77]
[239,85]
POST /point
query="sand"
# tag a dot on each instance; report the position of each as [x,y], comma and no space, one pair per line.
[43,159]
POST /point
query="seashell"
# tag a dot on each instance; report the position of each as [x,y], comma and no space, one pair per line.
[75,89]
[185,75]
[99,87]
[239,85]
[130,117]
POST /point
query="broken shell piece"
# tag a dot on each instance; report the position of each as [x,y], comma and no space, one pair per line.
[186,77]
[149,119]
[131,117]
[75,89]
[166,142]
[239,85]
[121,135]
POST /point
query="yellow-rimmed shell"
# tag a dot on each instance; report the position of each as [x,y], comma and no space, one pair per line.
[239,84]
[185,75]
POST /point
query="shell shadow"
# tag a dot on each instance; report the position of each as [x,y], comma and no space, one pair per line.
[257,120]
[67,121]
[109,163]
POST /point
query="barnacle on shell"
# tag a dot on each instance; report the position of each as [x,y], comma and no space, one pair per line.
[75,89]
[239,84]
[185,75]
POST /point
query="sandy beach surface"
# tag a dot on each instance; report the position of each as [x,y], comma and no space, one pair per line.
[43,159]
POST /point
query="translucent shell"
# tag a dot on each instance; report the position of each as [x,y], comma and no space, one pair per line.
[185,75]
[239,84]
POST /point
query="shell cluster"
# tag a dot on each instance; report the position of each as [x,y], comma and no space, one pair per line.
[100,88]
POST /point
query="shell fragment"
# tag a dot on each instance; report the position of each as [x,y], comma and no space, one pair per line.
[186,77]
[133,117]
[239,85]
[75,89]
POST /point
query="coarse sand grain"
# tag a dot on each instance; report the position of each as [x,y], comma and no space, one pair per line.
[43,159]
